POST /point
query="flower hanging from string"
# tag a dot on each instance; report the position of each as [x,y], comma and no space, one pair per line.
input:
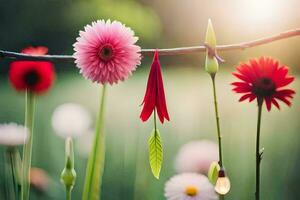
[264,79]
[190,186]
[154,98]
[35,76]
[105,52]
[155,102]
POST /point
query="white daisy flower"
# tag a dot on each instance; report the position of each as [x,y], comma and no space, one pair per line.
[196,156]
[12,134]
[70,120]
[190,186]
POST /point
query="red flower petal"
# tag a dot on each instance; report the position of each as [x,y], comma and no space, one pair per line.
[268,103]
[275,103]
[161,99]
[150,96]
[155,95]
[35,50]
[247,96]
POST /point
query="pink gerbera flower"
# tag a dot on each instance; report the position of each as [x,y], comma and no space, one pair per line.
[106,52]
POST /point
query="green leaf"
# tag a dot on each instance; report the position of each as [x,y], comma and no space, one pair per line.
[213,172]
[155,153]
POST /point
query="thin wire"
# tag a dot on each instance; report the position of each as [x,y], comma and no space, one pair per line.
[167,52]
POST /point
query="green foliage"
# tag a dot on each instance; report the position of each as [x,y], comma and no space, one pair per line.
[141,19]
[155,153]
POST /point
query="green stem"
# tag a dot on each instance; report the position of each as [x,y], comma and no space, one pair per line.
[11,154]
[68,193]
[258,153]
[95,167]
[27,148]
[7,177]
[154,116]
[217,121]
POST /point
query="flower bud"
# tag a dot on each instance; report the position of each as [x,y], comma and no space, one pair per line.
[211,62]
[68,175]
[213,172]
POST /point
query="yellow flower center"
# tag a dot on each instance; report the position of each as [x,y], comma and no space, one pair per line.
[191,190]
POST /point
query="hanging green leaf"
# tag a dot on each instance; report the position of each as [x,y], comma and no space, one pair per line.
[155,153]
[213,172]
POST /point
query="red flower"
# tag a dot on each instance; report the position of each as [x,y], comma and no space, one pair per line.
[155,95]
[264,79]
[36,76]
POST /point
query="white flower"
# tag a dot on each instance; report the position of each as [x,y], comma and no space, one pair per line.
[190,186]
[196,156]
[84,143]
[13,134]
[70,120]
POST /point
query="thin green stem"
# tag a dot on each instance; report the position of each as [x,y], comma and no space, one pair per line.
[27,148]
[258,153]
[154,119]
[95,167]
[7,177]
[68,193]
[11,154]
[217,121]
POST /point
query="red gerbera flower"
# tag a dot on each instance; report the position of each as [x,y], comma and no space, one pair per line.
[36,76]
[264,79]
[155,95]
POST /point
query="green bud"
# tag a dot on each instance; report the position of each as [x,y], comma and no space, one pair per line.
[210,37]
[211,62]
[213,172]
[211,65]
[68,175]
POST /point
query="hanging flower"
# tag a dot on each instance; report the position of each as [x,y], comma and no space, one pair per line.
[154,98]
[190,186]
[106,52]
[70,120]
[13,134]
[37,76]
[196,156]
[264,79]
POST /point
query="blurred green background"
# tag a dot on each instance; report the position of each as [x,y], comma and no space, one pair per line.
[167,23]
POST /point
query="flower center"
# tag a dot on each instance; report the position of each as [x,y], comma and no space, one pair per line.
[191,191]
[106,52]
[31,78]
[264,87]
